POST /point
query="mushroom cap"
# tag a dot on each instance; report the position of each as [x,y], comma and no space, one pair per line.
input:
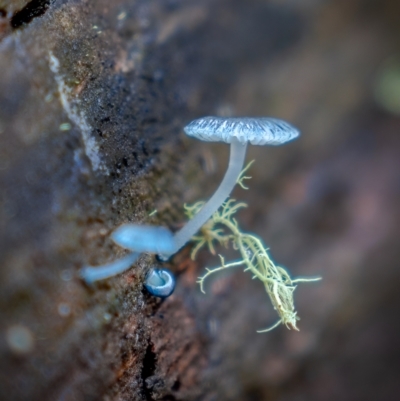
[256,130]
[160,282]
[142,238]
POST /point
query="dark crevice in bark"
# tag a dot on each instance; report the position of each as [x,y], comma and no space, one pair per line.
[148,369]
[33,9]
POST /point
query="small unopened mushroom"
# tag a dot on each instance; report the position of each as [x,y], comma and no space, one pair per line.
[142,238]
[136,238]
[238,132]
[160,282]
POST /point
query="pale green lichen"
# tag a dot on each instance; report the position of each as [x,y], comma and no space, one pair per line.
[224,230]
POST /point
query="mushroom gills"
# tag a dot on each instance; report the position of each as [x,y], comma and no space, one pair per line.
[160,282]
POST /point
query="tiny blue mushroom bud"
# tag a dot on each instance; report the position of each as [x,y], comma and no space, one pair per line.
[144,238]
[160,283]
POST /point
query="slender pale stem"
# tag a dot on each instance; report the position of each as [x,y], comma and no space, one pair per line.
[94,273]
[236,161]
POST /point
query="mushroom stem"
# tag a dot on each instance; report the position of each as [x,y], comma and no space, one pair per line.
[236,161]
[91,274]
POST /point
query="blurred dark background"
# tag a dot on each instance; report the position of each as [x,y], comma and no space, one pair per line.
[93,98]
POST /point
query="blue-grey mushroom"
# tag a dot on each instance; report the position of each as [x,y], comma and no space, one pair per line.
[137,238]
[238,132]
[143,238]
[160,282]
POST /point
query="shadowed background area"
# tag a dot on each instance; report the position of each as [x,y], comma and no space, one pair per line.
[93,98]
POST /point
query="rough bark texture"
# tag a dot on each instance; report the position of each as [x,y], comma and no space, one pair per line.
[93,96]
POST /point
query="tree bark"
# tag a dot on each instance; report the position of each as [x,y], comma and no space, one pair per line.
[93,98]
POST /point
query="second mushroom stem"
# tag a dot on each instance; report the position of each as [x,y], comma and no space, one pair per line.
[236,161]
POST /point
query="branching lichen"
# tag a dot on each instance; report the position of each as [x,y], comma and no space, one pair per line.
[224,230]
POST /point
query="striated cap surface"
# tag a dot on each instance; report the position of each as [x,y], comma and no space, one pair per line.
[255,130]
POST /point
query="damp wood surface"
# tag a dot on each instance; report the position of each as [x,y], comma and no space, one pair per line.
[93,99]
